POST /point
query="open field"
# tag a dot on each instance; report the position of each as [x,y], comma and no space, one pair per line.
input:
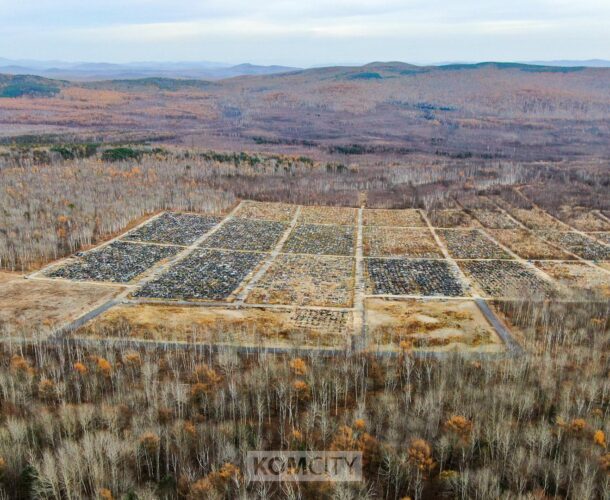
[443,325]
[6,276]
[31,307]
[579,277]
[604,265]
[245,327]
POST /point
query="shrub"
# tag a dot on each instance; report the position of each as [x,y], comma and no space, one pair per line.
[80,368]
[420,455]
[599,438]
[104,366]
[149,441]
[459,425]
[46,389]
[121,154]
[298,366]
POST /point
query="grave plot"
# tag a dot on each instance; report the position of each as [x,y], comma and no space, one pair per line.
[321,240]
[528,246]
[400,241]
[603,237]
[323,320]
[119,262]
[328,215]
[498,201]
[244,327]
[306,280]
[432,325]
[470,244]
[173,228]
[412,277]
[205,274]
[583,219]
[536,219]
[579,277]
[397,218]
[478,202]
[506,278]
[584,247]
[493,219]
[279,212]
[247,234]
[451,218]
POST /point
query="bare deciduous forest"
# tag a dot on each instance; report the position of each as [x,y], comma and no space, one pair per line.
[52,207]
[104,421]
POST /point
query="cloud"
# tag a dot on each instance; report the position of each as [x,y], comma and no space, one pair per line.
[297,32]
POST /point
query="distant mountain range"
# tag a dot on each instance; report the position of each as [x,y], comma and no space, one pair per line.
[206,70]
[589,63]
[87,71]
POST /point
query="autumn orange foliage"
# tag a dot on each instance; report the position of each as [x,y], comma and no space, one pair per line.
[298,366]
[420,455]
[80,368]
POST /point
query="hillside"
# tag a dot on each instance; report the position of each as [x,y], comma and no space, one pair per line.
[488,110]
[28,86]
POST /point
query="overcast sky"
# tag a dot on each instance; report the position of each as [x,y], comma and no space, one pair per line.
[305,32]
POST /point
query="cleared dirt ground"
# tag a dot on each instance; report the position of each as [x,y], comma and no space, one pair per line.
[440,325]
[217,325]
[40,305]
[5,277]
[579,277]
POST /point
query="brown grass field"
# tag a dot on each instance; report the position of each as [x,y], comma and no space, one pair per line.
[29,307]
[434,325]
[251,327]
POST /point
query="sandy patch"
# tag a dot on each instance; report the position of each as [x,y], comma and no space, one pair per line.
[6,276]
[214,325]
[578,277]
[439,325]
[29,307]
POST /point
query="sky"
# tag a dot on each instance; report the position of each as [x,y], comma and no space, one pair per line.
[306,32]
